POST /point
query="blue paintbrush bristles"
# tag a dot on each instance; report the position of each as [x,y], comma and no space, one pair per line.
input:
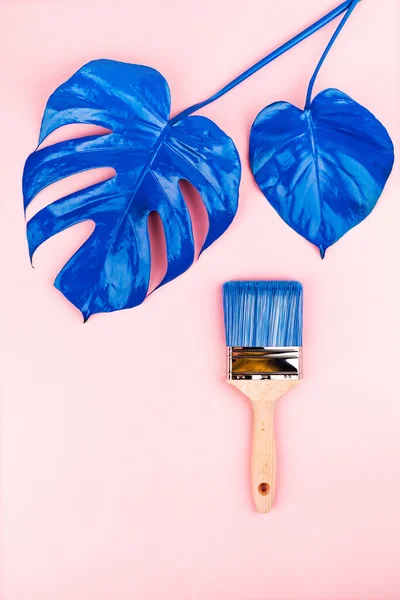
[263,313]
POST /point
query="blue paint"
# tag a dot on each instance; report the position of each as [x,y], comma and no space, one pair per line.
[324,168]
[263,313]
[111,270]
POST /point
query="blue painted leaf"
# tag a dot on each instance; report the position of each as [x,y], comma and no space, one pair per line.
[111,270]
[322,169]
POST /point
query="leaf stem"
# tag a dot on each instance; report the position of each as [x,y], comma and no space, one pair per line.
[326,51]
[330,16]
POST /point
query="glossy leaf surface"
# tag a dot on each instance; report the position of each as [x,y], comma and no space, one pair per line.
[324,168]
[150,156]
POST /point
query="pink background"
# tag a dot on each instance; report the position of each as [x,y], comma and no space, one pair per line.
[125,456]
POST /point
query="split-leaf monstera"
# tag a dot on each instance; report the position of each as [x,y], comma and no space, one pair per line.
[322,168]
[150,155]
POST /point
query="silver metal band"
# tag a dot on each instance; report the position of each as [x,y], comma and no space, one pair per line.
[264,363]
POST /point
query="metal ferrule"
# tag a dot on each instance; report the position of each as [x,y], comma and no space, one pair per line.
[264,363]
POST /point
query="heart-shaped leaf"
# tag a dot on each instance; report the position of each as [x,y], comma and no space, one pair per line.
[323,168]
[111,270]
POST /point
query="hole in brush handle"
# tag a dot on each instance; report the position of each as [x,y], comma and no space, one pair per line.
[264,489]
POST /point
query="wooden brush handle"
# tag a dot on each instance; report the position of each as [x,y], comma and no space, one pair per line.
[263,395]
[263,456]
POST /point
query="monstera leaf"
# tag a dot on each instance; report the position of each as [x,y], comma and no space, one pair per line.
[322,168]
[150,156]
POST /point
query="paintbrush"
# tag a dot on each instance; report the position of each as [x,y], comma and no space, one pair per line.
[263,326]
